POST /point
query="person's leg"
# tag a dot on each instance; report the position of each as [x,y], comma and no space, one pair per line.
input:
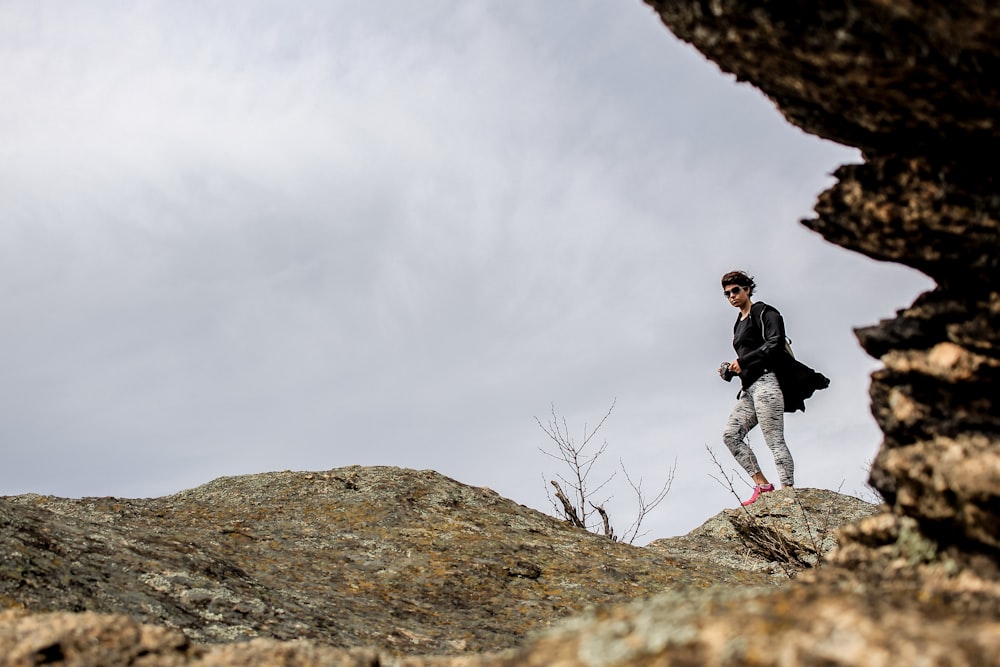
[741,420]
[769,403]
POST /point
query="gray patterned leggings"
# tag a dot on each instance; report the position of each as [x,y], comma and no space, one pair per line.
[761,403]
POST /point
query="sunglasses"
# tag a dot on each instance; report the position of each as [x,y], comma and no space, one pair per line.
[732,292]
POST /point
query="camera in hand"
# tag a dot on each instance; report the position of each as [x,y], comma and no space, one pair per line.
[724,371]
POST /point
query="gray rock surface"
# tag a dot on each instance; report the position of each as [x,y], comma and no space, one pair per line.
[356,566]
[406,561]
[784,533]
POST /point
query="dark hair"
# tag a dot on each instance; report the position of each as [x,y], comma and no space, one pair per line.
[741,278]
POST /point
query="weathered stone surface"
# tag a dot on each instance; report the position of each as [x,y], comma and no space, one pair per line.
[940,217]
[784,533]
[887,596]
[106,640]
[406,561]
[905,77]
[356,567]
[379,562]
[799,626]
[914,85]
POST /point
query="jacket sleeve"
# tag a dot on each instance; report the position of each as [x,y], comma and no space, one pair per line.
[774,337]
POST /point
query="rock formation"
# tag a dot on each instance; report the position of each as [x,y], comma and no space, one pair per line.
[399,561]
[914,85]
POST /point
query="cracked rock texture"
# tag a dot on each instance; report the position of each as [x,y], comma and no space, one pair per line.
[392,561]
[399,559]
[784,533]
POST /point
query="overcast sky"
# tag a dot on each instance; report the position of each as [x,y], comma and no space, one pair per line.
[257,236]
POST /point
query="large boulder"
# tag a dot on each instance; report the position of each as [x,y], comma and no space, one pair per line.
[402,560]
[359,566]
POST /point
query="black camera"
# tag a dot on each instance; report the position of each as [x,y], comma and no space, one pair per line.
[724,371]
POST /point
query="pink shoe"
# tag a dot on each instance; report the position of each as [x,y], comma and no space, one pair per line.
[757,490]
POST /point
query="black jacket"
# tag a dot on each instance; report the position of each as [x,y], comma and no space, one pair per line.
[760,346]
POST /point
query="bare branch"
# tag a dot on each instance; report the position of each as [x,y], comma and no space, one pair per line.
[750,530]
[577,492]
[646,505]
[809,527]
[609,532]
[548,494]
[577,458]
[722,471]
[568,508]
[600,486]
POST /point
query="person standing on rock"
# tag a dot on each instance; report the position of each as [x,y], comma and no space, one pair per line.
[772,383]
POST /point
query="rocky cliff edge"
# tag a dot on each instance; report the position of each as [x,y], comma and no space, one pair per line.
[385,560]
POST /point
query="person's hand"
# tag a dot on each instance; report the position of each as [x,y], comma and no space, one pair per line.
[734,367]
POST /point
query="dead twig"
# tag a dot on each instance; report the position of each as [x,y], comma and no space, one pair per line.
[753,533]
[577,459]
[609,532]
[809,527]
[646,505]
[771,544]
[568,510]
[576,502]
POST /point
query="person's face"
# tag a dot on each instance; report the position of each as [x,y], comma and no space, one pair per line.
[737,295]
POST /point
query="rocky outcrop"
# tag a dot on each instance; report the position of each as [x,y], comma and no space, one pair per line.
[363,567]
[902,78]
[916,86]
[405,561]
[395,562]
[803,627]
[785,533]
